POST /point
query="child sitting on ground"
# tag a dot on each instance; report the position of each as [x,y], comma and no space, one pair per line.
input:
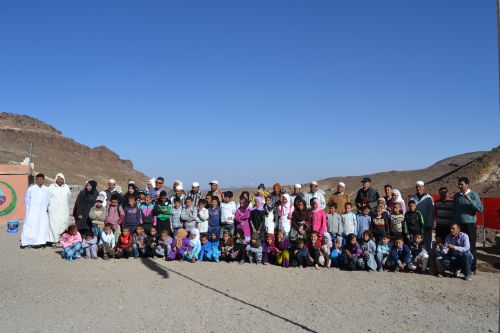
[351,254]
[325,252]
[194,246]
[214,254]
[226,245]
[367,258]
[164,245]
[314,248]
[436,257]
[419,254]
[254,249]
[238,252]
[107,242]
[383,251]
[89,245]
[151,242]
[269,251]
[336,253]
[282,244]
[300,254]
[140,239]
[71,242]
[400,257]
[179,245]
[125,245]
[205,249]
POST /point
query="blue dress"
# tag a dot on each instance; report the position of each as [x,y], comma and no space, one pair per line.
[369,261]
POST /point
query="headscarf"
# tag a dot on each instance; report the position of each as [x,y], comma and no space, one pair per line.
[319,205]
[194,242]
[152,182]
[241,232]
[327,235]
[92,183]
[105,202]
[348,245]
[59,175]
[246,202]
[182,233]
[278,185]
[256,236]
[300,215]
[260,204]
[398,194]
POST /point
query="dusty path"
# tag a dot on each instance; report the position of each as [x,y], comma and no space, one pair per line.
[42,293]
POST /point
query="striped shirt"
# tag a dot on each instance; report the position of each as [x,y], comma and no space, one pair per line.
[444,212]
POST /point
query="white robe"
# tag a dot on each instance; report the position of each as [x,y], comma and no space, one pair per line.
[59,202]
[36,221]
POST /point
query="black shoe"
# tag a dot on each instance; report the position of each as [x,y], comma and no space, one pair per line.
[49,244]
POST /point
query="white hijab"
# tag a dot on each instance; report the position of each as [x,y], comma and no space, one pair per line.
[194,242]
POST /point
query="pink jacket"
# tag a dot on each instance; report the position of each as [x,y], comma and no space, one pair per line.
[68,239]
[318,222]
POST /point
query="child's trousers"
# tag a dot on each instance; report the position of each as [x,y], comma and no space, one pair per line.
[91,251]
[255,257]
[72,252]
[423,260]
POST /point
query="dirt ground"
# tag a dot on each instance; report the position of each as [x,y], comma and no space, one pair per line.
[40,292]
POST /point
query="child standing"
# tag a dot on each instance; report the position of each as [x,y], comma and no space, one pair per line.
[176,223]
[258,218]
[194,246]
[254,249]
[397,219]
[380,224]
[271,219]
[367,258]
[146,210]
[202,218]
[300,219]
[351,253]
[132,215]
[71,242]
[383,251]
[363,221]
[317,217]
[89,245]
[227,212]
[97,215]
[214,217]
[413,223]
[188,215]
[334,222]
[115,215]
[163,213]
[242,218]
[285,210]
[226,246]
[125,245]
[107,242]
[349,222]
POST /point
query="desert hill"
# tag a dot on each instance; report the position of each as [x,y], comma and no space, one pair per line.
[53,153]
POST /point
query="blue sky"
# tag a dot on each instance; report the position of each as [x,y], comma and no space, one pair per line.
[251,91]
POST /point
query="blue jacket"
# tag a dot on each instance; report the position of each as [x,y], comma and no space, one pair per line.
[403,255]
[363,224]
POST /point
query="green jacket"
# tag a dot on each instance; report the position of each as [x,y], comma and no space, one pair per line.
[162,211]
[465,210]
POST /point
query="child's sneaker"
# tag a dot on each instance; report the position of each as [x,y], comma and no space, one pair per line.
[412,267]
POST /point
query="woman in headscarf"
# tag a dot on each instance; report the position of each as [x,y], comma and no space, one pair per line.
[258,218]
[396,198]
[60,197]
[300,220]
[317,217]
[132,191]
[84,202]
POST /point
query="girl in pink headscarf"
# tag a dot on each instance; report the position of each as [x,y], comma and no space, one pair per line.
[317,217]
[242,217]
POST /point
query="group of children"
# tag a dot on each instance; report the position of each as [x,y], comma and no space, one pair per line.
[278,233]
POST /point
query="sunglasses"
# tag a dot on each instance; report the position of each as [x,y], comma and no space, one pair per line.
[159,183]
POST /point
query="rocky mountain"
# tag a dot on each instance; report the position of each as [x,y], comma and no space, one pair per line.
[53,153]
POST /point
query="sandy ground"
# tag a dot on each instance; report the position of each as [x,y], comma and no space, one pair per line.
[40,292]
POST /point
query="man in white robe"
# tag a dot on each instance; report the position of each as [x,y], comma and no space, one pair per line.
[59,202]
[36,222]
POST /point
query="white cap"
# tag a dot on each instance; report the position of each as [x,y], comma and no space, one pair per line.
[196,184]
[298,186]
[179,187]
[112,181]
[177,181]
[131,182]
[341,184]
[214,182]
[314,183]
[419,183]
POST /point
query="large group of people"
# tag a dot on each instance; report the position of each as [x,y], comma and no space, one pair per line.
[297,229]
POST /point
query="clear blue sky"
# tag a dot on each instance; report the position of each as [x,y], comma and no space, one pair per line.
[251,91]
